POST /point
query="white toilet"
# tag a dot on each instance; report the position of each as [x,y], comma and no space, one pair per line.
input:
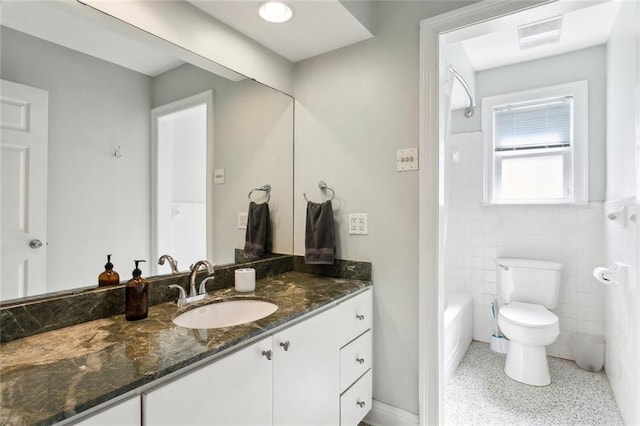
[527,288]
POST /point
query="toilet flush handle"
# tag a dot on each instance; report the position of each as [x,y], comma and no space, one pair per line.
[505,267]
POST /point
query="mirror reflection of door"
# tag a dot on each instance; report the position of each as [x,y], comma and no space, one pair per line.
[23,189]
[182,181]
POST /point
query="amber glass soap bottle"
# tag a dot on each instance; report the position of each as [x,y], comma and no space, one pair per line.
[136,296]
[109,276]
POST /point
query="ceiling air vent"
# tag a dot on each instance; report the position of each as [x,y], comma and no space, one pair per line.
[539,33]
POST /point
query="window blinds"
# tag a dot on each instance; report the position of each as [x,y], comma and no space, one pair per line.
[542,124]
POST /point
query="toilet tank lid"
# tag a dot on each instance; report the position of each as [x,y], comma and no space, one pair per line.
[529,263]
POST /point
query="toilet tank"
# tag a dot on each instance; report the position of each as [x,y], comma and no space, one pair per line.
[528,280]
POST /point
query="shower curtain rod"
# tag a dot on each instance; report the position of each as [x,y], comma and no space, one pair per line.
[468,112]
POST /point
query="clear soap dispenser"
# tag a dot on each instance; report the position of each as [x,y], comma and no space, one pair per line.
[136,296]
[109,276]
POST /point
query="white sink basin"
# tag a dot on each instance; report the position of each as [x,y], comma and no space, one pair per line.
[225,314]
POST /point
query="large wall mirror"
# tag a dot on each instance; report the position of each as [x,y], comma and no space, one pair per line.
[110,122]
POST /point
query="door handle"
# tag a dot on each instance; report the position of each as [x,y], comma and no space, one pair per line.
[35,244]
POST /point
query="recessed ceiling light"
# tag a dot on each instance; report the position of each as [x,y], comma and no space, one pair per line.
[275,11]
[540,33]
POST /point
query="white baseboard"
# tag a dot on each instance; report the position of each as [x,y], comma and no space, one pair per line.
[382,414]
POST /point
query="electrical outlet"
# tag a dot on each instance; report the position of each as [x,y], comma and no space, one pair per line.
[358,224]
[406,159]
[242,220]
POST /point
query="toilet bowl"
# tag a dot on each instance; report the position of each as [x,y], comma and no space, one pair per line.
[527,288]
[530,328]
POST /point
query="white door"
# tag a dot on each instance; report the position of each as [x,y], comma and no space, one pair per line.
[23,185]
[182,174]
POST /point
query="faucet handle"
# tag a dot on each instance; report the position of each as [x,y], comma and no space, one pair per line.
[203,285]
[182,299]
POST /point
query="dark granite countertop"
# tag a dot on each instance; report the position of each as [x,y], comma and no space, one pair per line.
[54,375]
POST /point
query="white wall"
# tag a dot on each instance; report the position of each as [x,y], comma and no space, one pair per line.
[622,313]
[354,108]
[572,235]
[587,64]
[97,204]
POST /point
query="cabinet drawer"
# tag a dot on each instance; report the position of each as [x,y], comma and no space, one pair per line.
[355,359]
[356,402]
[355,316]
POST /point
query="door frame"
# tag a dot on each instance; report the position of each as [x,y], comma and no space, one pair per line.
[206,97]
[431,263]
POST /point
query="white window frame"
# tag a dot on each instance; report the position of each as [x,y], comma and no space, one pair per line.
[578,151]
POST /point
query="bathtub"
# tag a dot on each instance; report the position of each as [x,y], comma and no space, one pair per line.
[458,330]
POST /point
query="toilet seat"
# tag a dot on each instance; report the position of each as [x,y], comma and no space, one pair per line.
[528,315]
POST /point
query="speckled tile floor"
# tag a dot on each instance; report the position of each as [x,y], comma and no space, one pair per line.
[481,394]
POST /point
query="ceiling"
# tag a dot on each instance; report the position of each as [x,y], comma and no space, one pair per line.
[318,26]
[58,22]
[494,43]
[581,28]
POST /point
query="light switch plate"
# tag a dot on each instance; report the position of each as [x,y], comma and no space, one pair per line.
[218,176]
[406,159]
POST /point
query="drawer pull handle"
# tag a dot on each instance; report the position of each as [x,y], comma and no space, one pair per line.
[285,345]
[268,354]
[360,360]
[361,404]
[360,317]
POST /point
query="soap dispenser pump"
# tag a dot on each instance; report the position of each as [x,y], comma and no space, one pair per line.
[136,296]
[109,276]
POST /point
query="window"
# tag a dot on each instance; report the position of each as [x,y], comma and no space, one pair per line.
[536,146]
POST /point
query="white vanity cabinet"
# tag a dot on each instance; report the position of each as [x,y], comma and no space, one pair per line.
[315,372]
[125,413]
[234,390]
[356,350]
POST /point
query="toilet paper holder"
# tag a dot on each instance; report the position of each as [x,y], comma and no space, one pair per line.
[603,275]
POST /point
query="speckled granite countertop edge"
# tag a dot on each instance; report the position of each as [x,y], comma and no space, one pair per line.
[53,376]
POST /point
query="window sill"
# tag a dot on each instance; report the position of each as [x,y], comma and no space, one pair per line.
[540,204]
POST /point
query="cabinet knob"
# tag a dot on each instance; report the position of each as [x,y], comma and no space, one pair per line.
[361,404]
[285,345]
[268,354]
[360,360]
[360,317]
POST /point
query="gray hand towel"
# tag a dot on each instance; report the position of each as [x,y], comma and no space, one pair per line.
[258,235]
[319,234]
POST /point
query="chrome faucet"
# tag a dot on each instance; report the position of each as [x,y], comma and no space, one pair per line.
[172,262]
[193,296]
[194,272]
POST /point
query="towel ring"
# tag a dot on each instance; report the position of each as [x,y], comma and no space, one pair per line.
[323,187]
[264,188]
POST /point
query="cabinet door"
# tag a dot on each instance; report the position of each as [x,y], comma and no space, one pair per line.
[126,413]
[235,390]
[306,365]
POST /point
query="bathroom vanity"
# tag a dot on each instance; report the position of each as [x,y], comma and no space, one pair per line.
[308,362]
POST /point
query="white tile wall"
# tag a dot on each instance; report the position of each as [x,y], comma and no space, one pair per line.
[477,235]
[622,320]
